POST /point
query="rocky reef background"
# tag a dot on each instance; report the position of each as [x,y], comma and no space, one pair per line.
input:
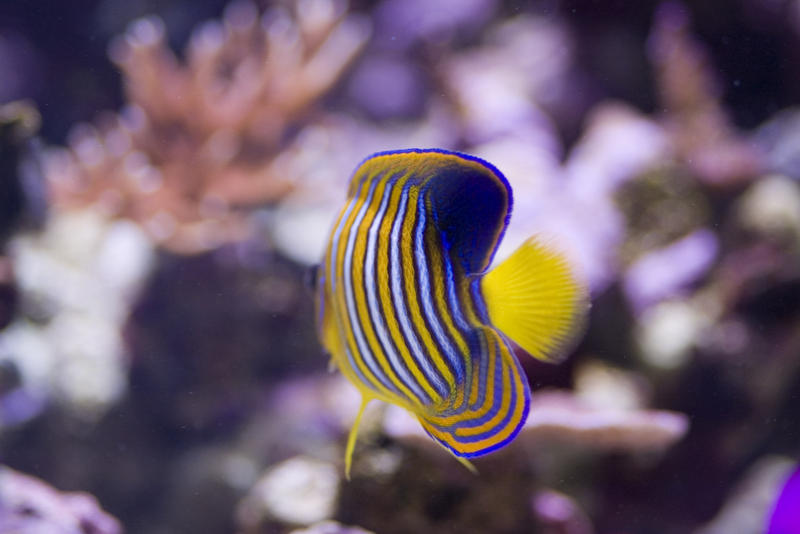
[169,171]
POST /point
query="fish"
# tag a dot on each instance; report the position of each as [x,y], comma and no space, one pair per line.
[411,314]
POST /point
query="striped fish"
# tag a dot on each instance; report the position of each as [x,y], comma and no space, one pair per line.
[409,313]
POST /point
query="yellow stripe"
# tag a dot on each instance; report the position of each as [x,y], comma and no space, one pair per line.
[414,308]
[488,399]
[328,339]
[386,296]
[501,413]
[437,277]
[477,446]
[440,292]
[486,334]
[333,340]
[467,448]
[341,300]
[359,254]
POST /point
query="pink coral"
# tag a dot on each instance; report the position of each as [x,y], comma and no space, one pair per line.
[199,144]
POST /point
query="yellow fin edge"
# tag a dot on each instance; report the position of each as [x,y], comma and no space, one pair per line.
[535,299]
[352,437]
[466,463]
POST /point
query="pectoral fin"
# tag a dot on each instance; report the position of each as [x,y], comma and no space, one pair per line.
[534,298]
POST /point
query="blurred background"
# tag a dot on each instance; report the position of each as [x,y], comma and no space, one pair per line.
[169,171]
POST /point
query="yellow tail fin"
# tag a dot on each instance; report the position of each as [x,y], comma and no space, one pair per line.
[534,299]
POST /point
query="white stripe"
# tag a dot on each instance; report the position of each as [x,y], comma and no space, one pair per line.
[355,324]
[335,239]
[455,305]
[396,281]
[373,302]
[354,366]
[426,292]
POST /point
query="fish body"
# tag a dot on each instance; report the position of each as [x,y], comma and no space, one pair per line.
[409,313]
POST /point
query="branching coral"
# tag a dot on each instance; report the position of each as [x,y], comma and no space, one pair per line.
[199,144]
[703,135]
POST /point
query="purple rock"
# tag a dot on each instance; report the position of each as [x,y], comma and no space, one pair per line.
[663,273]
[560,513]
[779,138]
[31,506]
[402,22]
[19,405]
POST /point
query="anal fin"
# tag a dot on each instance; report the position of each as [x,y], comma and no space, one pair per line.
[353,436]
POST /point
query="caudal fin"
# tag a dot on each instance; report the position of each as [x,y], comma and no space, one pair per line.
[534,298]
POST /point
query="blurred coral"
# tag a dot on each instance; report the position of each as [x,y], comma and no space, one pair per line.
[299,491]
[29,505]
[597,383]
[387,87]
[771,207]
[574,203]
[186,389]
[561,417]
[19,123]
[670,270]
[430,492]
[750,504]
[77,280]
[559,514]
[200,143]
[667,332]
[330,527]
[661,208]
[779,139]
[524,65]
[306,416]
[400,23]
[690,96]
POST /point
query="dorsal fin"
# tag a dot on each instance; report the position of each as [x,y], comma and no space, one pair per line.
[468,198]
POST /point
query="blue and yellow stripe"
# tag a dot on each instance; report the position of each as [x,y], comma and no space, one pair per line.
[402,297]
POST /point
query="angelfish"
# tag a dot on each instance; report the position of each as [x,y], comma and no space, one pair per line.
[410,315]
